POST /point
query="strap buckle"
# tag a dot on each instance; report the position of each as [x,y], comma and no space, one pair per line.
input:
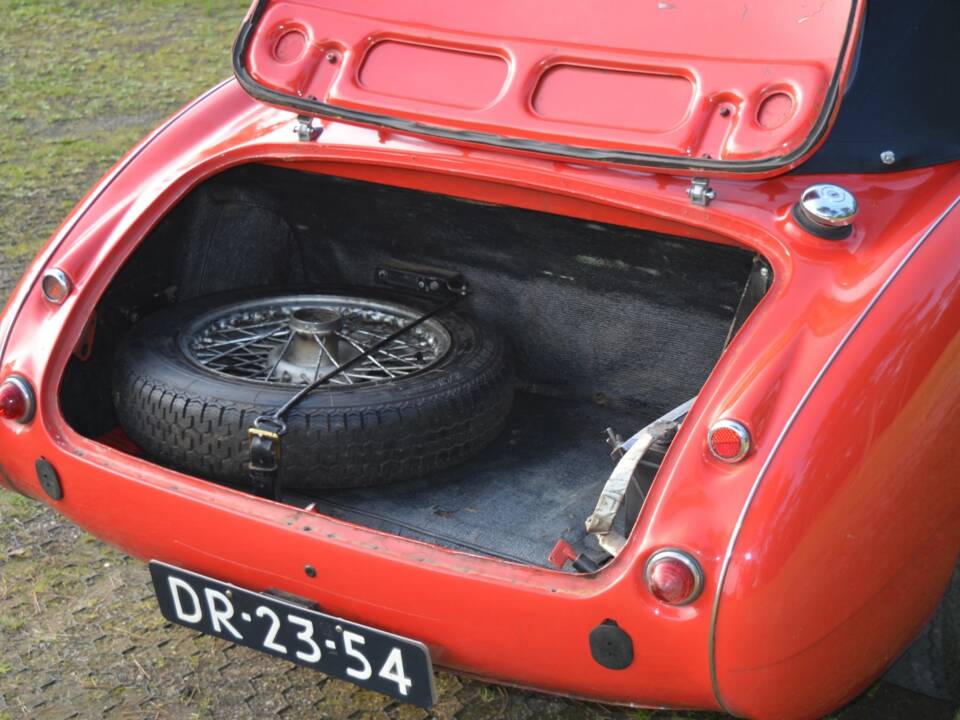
[265,434]
[264,438]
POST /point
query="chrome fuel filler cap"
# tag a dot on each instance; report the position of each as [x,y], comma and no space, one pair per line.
[826,211]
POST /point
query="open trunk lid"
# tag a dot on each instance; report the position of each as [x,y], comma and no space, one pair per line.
[715,88]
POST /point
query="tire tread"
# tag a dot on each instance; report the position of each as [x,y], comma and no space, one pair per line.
[396,434]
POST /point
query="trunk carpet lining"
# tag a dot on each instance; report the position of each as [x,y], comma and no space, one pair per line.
[610,326]
[535,484]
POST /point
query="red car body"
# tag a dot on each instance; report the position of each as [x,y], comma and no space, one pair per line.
[824,551]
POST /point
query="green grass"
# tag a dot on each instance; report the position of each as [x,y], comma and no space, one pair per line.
[81,82]
[16,506]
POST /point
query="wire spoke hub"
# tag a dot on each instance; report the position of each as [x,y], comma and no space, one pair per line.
[296,339]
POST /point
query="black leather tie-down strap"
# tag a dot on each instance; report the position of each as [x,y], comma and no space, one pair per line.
[264,461]
[267,431]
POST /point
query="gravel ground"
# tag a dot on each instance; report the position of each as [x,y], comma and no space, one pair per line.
[80,633]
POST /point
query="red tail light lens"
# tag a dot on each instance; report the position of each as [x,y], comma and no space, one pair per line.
[16,400]
[12,402]
[673,577]
[728,440]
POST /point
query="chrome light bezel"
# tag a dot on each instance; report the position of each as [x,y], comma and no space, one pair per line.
[60,277]
[742,433]
[683,557]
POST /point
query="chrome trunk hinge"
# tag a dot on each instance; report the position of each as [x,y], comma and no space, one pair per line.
[700,192]
[308,128]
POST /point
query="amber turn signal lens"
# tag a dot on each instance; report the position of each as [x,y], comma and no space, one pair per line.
[673,577]
[16,400]
[728,440]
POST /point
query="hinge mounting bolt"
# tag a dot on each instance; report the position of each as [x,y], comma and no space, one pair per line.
[308,129]
[700,192]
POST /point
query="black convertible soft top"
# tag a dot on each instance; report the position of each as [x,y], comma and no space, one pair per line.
[904,96]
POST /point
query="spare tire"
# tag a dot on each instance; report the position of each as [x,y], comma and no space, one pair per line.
[190,380]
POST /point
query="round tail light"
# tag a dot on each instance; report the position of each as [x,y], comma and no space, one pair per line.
[728,440]
[16,400]
[673,577]
[55,286]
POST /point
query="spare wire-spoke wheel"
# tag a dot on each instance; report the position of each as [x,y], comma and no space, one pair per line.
[191,379]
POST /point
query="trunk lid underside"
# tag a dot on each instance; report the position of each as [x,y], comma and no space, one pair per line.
[725,87]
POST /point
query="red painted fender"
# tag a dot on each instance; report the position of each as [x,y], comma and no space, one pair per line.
[854,529]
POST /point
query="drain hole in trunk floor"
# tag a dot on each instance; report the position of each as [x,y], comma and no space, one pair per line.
[536,483]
